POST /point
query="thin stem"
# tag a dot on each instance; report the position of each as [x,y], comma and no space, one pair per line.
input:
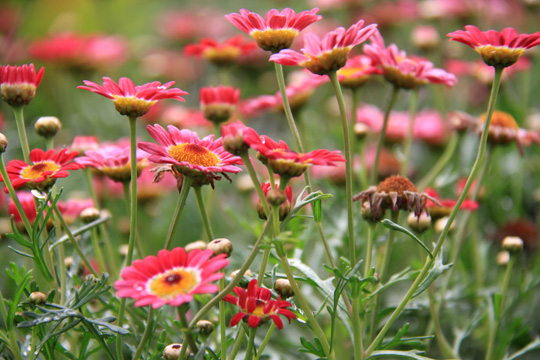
[97,249]
[250,345]
[445,347]
[326,246]
[375,167]
[127,199]
[222,322]
[369,248]
[146,335]
[186,185]
[237,343]
[21,129]
[253,175]
[441,163]
[204,214]
[429,261]
[409,139]
[12,336]
[354,109]
[186,329]
[265,340]
[14,197]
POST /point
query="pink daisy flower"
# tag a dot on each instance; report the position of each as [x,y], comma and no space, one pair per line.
[46,167]
[277,30]
[258,306]
[72,208]
[187,153]
[219,103]
[445,206]
[131,100]
[321,56]
[407,72]
[19,83]
[357,71]
[81,144]
[496,48]
[172,278]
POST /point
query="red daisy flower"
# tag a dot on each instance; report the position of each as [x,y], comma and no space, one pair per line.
[278,30]
[404,71]
[284,161]
[221,54]
[187,153]
[173,277]
[46,167]
[131,100]
[321,56]
[496,48]
[257,304]
[446,205]
[219,103]
[19,83]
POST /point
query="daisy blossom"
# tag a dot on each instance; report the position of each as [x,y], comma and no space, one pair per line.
[219,103]
[19,83]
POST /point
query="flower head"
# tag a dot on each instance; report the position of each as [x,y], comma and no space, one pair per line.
[221,54]
[188,154]
[84,143]
[113,160]
[321,56]
[131,100]
[19,83]
[173,277]
[277,30]
[445,206]
[233,137]
[285,162]
[46,167]
[72,208]
[219,103]
[257,304]
[357,71]
[407,72]
[496,48]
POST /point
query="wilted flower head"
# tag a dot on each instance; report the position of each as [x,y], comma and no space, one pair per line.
[277,30]
[19,83]
[221,54]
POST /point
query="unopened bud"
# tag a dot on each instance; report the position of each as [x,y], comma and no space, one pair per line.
[3,143]
[90,214]
[361,130]
[37,298]
[440,224]
[220,246]
[283,287]
[123,249]
[276,197]
[512,244]
[367,213]
[248,273]
[204,327]
[47,126]
[199,244]
[172,351]
[503,258]
[420,223]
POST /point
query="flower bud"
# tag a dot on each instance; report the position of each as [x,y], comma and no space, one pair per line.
[283,287]
[441,223]
[172,351]
[90,214]
[204,327]
[37,298]
[220,246]
[425,37]
[199,244]
[419,224]
[503,258]
[367,213]
[361,130]
[512,244]
[3,143]
[47,126]
[276,197]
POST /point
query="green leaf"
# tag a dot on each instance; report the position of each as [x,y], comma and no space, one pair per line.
[412,354]
[302,201]
[497,298]
[317,210]
[436,270]
[16,299]
[535,344]
[393,226]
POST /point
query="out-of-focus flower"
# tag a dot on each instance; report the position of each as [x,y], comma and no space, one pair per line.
[388,164]
[81,144]
[258,306]
[113,160]
[425,37]
[526,230]
[460,186]
[219,103]
[394,193]
[172,278]
[277,30]
[357,71]
[386,14]
[496,48]
[429,125]
[131,100]
[221,54]
[407,72]
[190,24]
[46,167]
[322,56]
[485,73]
[233,137]
[285,162]
[445,206]
[19,83]
[284,207]
[184,117]
[81,51]
[28,205]
[298,92]
[171,64]
[72,208]
[188,154]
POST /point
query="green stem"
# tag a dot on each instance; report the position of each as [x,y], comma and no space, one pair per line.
[222,322]
[251,343]
[14,345]
[445,347]
[147,335]
[375,167]
[429,261]
[21,129]
[369,248]
[186,329]
[253,175]
[127,198]
[409,139]
[354,110]
[14,197]
[498,312]
[186,185]
[237,343]
[204,214]
[265,340]
[441,163]
[97,249]
[326,246]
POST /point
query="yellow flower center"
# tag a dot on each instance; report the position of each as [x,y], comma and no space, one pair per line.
[194,154]
[502,119]
[33,172]
[174,282]
[259,310]
[499,55]
[274,39]
[222,56]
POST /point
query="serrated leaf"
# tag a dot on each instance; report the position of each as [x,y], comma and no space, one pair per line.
[412,354]
[393,226]
[436,270]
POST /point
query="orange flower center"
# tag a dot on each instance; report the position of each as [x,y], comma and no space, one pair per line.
[33,172]
[194,154]
[259,309]
[397,184]
[501,119]
[174,282]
